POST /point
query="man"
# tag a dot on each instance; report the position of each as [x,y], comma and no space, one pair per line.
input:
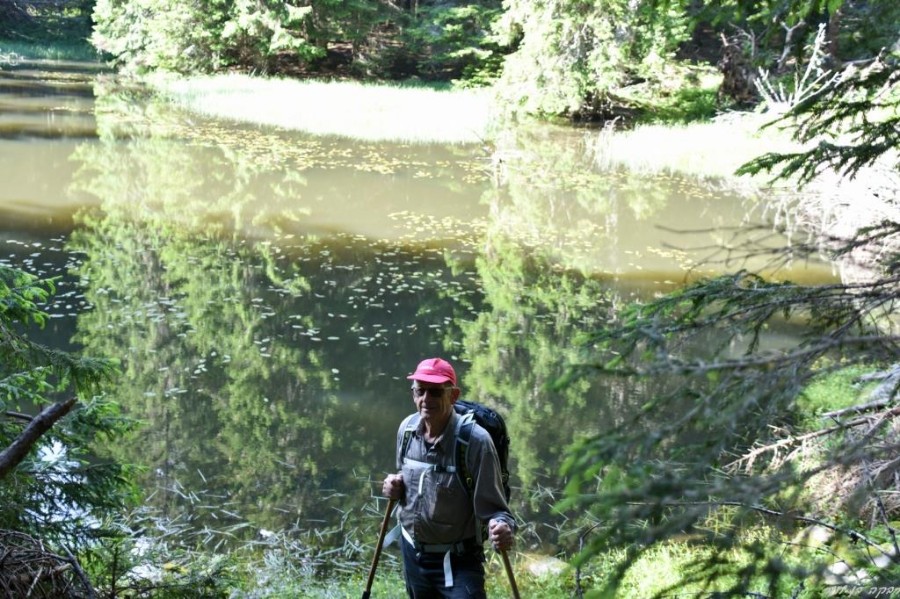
[440,518]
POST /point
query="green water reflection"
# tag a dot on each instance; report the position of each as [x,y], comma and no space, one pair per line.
[266,293]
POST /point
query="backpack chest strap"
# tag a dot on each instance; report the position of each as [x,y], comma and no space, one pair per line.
[426,465]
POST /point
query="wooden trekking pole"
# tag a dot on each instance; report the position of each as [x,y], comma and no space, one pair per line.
[509,574]
[384,527]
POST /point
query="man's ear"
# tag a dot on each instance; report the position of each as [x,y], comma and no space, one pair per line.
[454,394]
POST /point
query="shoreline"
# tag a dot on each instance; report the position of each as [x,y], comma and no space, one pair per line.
[367,112]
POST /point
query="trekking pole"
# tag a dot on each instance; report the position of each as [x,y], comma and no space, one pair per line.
[384,526]
[509,573]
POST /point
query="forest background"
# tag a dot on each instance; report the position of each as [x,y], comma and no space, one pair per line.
[786,462]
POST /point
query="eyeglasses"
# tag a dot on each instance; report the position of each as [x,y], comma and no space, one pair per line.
[431,391]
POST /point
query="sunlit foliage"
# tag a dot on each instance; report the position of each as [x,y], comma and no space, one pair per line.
[213,34]
[573,55]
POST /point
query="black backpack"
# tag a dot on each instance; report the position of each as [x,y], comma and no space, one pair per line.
[491,421]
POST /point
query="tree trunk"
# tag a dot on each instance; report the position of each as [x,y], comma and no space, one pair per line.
[13,455]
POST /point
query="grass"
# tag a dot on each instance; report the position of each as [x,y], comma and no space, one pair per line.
[281,568]
[706,150]
[75,51]
[659,569]
[371,112]
[836,390]
[681,142]
[684,130]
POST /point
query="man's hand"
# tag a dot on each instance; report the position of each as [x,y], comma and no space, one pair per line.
[393,487]
[500,535]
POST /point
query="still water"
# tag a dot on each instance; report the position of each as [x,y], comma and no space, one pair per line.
[266,292]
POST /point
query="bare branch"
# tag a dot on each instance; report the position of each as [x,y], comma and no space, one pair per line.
[749,458]
[18,449]
[19,416]
[91,593]
[849,532]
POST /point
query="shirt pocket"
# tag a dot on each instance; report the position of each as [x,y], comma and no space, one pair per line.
[446,505]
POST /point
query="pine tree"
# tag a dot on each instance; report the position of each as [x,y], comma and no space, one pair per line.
[736,440]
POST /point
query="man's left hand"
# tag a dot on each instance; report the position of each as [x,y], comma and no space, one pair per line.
[500,535]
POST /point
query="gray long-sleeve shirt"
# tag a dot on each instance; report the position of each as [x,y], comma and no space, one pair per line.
[437,507]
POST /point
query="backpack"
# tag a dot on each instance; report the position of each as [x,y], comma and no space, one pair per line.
[490,420]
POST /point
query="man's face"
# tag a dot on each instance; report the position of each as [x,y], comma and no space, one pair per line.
[434,401]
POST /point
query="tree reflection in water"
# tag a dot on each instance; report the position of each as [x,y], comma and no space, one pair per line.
[266,294]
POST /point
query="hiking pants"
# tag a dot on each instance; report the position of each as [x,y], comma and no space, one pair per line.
[426,575]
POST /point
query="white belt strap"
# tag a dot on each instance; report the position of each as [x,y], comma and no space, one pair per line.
[407,536]
[448,571]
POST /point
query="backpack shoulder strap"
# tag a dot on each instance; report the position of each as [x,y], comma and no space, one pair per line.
[409,425]
[464,425]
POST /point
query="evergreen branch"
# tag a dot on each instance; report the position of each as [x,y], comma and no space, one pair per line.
[767,361]
[745,302]
[851,106]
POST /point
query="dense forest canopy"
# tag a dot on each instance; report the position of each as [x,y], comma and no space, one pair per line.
[571,58]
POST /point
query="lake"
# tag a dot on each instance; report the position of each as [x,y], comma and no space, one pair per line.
[266,292]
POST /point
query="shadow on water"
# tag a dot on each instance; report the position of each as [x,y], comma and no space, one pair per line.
[267,292]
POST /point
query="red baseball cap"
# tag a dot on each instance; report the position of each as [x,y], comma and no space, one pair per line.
[434,370]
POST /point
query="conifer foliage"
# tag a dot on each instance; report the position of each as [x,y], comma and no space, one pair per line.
[737,451]
[848,124]
[52,486]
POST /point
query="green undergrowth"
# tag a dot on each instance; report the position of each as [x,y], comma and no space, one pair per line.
[661,570]
[688,95]
[12,50]
[46,30]
[836,390]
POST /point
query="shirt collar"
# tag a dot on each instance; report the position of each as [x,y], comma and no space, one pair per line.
[450,428]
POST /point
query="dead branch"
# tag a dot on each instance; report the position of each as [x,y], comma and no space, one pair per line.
[883,394]
[882,510]
[849,532]
[19,416]
[789,33]
[18,449]
[91,593]
[749,458]
[873,405]
[28,569]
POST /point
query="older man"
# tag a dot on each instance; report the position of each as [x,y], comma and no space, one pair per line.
[441,519]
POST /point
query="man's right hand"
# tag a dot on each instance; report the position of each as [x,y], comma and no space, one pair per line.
[393,488]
